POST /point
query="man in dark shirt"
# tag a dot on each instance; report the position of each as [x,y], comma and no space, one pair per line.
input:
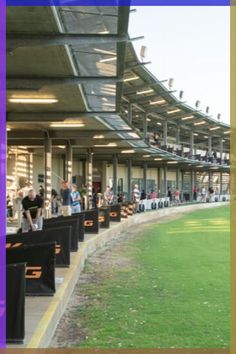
[32,212]
[66,199]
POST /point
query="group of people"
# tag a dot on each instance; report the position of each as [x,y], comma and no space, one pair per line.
[200,194]
[69,201]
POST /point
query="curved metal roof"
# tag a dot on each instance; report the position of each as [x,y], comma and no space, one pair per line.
[84,58]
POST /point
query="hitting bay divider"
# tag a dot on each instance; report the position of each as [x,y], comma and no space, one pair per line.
[43,314]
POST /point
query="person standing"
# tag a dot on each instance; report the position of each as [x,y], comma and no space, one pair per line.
[177,196]
[136,196]
[54,202]
[32,212]
[203,194]
[76,199]
[108,196]
[169,194]
[66,199]
[195,190]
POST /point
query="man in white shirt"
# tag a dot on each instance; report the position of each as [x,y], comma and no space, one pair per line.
[136,196]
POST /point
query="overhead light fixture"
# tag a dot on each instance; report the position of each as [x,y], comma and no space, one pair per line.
[214,128]
[199,166]
[146,155]
[106,145]
[102,51]
[131,78]
[128,151]
[133,135]
[33,100]
[173,111]
[195,134]
[200,123]
[107,60]
[61,146]
[206,136]
[104,32]
[161,101]
[187,118]
[144,91]
[148,120]
[8,129]
[227,132]
[67,125]
[98,137]
[109,104]
[158,159]
[172,162]
[159,123]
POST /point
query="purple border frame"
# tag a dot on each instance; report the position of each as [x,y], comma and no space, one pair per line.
[118,2]
[3,4]
[3,173]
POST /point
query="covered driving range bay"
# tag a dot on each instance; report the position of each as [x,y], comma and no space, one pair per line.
[164,285]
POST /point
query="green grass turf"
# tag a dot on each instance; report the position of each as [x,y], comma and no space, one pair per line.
[178,294]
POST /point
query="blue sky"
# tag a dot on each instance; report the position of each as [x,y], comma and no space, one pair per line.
[191,45]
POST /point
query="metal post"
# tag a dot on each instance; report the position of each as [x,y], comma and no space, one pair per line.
[221,149]
[191,142]
[115,163]
[177,178]
[145,177]
[30,175]
[210,144]
[165,132]
[158,182]
[178,135]
[48,175]
[68,164]
[130,113]
[191,185]
[221,183]
[165,181]
[210,179]
[182,185]
[145,126]
[89,178]
[129,177]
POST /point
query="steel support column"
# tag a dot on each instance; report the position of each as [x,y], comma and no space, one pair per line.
[68,163]
[165,180]
[221,182]
[210,144]
[89,178]
[177,178]
[165,132]
[145,127]
[158,181]
[191,142]
[115,165]
[48,175]
[145,177]
[178,135]
[221,149]
[30,168]
[129,179]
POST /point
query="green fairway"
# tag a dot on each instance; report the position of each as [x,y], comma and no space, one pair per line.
[174,293]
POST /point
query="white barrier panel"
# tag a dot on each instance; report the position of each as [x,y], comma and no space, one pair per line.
[155,203]
[224,198]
